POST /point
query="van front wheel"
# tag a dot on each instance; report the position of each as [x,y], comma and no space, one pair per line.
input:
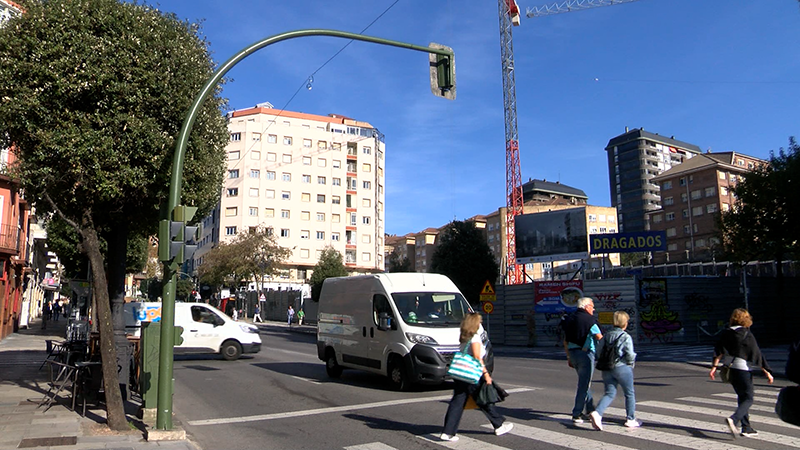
[231,350]
[331,366]
[398,376]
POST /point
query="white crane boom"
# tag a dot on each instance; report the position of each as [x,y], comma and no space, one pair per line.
[570,6]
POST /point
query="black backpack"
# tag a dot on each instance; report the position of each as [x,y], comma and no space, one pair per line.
[793,363]
[608,355]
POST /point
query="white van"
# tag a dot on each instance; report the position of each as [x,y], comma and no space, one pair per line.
[402,325]
[205,328]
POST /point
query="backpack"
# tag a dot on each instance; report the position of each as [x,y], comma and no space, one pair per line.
[793,363]
[608,355]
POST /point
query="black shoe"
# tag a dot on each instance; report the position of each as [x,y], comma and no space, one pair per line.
[580,419]
[749,432]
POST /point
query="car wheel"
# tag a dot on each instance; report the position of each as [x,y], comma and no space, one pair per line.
[398,376]
[331,366]
[231,350]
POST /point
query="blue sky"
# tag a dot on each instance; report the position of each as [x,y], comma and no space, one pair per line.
[720,74]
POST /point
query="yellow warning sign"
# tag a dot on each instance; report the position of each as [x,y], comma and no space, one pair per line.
[487,289]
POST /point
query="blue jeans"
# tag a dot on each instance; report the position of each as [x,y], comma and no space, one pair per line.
[583,362]
[742,382]
[622,375]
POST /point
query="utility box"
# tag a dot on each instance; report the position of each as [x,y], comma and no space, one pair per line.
[148,363]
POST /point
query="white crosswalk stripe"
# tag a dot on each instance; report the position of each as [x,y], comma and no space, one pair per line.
[757,399]
[371,446]
[463,443]
[730,405]
[720,412]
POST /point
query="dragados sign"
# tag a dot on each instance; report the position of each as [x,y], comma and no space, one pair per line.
[643,241]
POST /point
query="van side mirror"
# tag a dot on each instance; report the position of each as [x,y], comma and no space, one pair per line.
[385,322]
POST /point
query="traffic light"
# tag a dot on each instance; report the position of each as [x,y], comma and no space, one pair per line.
[177,241]
[443,72]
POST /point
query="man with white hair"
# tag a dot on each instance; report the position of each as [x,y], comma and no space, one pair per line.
[580,334]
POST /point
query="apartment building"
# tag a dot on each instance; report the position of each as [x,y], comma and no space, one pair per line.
[692,194]
[634,158]
[316,181]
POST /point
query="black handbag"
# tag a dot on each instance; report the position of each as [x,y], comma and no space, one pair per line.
[725,374]
[490,393]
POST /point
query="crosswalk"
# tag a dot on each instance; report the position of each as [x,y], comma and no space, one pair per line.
[691,422]
[694,353]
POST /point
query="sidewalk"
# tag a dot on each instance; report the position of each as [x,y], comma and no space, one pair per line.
[25,425]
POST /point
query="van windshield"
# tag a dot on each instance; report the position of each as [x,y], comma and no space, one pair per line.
[432,309]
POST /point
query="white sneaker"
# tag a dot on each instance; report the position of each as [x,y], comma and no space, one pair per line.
[732,427]
[597,421]
[447,437]
[504,428]
[633,423]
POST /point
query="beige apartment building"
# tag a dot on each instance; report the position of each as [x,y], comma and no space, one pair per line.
[692,195]
[316,181]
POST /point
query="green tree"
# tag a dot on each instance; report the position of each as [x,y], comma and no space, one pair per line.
[398,265]
[183,289]
[330,264]
[634,258]
[93,96]
[465,257]
[249,257]
[764,222]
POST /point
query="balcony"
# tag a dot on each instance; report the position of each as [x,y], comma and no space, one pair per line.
[9,239]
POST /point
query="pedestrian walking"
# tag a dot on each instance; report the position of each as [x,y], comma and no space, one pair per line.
[471,342]
[56,311]
[45,314]
[235,314]
[580,333]
[257,314]
[290,315]
[738,342]
[620,374]
[300,316]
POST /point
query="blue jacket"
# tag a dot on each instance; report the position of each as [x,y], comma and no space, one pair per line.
[623,343]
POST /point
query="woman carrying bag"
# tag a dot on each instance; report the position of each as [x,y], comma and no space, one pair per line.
[470,340]
[738,342]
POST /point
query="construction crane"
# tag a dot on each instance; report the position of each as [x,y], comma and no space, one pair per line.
[509,16]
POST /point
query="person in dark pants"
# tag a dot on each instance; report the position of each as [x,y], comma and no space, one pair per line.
[580,334]
[471,342]
[738,342]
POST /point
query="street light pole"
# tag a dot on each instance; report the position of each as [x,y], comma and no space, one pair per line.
[442,68]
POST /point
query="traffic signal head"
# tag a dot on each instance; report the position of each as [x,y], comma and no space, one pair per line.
[174,235]
[443,72]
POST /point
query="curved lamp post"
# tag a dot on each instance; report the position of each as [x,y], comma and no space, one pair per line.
[442,84]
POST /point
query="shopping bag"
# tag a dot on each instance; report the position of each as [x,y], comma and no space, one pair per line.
[466,368]
[470,403]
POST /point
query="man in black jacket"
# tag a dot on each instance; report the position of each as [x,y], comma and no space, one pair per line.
[580,334]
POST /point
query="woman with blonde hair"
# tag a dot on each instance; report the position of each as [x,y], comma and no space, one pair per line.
[471,342]
[737,341]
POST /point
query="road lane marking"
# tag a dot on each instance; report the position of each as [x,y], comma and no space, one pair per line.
[732,405]
[305,379]
[714,427]
[370,446]
[333,409]
[755,399]
[560,439]
[463,443]
[721,413]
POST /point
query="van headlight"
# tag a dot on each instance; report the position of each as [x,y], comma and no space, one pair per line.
[421,339]
[248,328]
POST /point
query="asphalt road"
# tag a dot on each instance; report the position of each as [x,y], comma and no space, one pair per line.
[281,398]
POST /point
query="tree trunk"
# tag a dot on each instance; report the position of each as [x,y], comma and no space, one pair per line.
[115,410]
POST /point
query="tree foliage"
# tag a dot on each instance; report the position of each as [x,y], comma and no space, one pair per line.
[250,256]
[395,264]
[93,96]
[464,256]
[764,222]
[330,264]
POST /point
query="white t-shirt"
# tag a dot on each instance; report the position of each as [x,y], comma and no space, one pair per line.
[477,338]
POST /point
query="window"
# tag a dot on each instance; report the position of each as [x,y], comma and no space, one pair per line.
[286,158]
[233,173]
[287,140]
[320,217]
[285,176]
[231,212]
[255,173]
[685,213]
[672,247]
[670,216]
[336,181]
[334,236]
[367,184]
[687,244]
[365,238]
[255,155]
[285,214]
[322,145]
[710,191]
[682,181]
[305,215]
[687,230]
[306,160]
[284,232]
[666,185]
[336,218]
[726,207]
[337,164]
[696,195]
[322,162]
[320,235]
[335,146]
[272,157]
[366,167]
[304,234]
[269,212]
[336,200]
[365,220]
[601,218]
[321,180]
[721,175]
[286,195]
[272,138]
[657,218]
[230,231]
[253,192]
[365,202]
[252,211]
[304,253]
[351,166]
[307,143]
[711,208]
[232,156]
[700,243]
[353,219]
[603,230]
[697,211]
[723,191]
[306,178]
[733,179]
[320,198]
[236,137]
[668,201]
[366,256]
[684,198]
[671,232]
[233,192]
[305,197]
[269,193]
[270,175]
[366,150]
